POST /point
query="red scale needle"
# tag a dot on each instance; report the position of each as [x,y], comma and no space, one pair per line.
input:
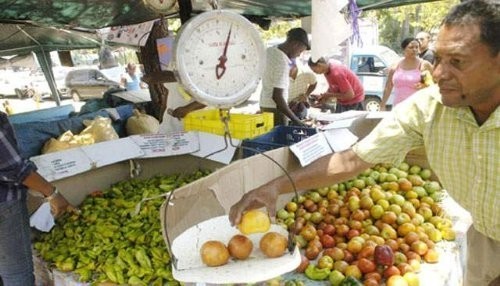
[220,68]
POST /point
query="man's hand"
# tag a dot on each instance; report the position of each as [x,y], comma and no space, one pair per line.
[59,205]
[179,112]
[266,196]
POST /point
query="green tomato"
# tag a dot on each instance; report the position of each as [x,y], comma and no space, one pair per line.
[336,277]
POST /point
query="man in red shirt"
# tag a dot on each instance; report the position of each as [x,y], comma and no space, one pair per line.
[343,85]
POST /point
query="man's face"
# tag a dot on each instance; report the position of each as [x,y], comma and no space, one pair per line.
[298,48]
[466,71]
[423,38]
[319,68]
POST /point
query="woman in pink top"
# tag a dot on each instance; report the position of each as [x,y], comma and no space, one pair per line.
[405,76]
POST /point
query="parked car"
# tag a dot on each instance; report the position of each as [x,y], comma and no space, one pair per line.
[88,83]
[371,66]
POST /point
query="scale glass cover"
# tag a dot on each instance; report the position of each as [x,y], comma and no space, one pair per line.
[219,58]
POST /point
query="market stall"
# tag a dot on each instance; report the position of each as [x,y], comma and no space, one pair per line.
[119,185]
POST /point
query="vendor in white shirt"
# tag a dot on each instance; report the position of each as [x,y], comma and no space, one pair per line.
[276,81]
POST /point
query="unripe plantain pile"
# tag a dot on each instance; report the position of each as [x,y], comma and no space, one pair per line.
[108,242]
[381,224]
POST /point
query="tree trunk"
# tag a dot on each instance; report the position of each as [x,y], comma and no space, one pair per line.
[149,58]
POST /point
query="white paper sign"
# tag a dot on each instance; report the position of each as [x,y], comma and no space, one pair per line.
[340,139]
[136,35]
[339,124]
[323,143]
[311,149]
[215,146]
[109,152]
[161,145]
[351,114]
[62,164]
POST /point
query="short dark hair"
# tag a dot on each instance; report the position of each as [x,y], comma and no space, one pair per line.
[299,35]
[485,13]
[312,63]
[407,41]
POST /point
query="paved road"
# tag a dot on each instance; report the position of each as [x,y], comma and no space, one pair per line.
[25,105]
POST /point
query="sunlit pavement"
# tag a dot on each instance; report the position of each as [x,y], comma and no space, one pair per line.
[25,105]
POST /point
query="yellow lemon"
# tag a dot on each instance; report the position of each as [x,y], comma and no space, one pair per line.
[254,221]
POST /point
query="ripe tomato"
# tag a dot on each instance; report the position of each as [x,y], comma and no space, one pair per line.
[366,265]
[327,241]
[391,271]
[370,282]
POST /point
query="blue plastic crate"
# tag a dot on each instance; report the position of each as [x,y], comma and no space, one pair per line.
[279,136]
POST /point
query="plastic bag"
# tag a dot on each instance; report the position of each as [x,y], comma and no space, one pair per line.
[140,123]
[66,141]
[100,129]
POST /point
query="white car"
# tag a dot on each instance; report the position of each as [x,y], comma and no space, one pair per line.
[371,65]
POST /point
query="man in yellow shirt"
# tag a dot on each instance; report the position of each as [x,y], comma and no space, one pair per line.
[458,124]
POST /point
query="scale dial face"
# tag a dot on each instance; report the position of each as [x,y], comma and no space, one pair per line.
[161,6]
[219,57]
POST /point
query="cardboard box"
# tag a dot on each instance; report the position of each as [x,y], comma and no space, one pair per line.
[213,196]
[77,187]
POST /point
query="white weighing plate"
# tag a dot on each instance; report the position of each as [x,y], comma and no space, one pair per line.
[186,248]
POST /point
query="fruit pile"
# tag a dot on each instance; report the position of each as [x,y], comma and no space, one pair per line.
[108,241]
[377,227]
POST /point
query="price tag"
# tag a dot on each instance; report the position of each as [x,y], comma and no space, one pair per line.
[62,164]
[311,149]
[161,145]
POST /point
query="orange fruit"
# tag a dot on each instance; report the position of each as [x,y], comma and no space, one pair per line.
[254,221]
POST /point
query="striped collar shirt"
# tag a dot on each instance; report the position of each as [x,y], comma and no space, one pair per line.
[13,168]
[464,155]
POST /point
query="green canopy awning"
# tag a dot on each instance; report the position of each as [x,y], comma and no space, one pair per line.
[21,38]
[94,14]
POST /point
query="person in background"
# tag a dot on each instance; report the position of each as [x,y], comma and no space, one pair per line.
[130,80]
[179,104]
[343,85]
[302,84]
[406,75]
[276,79]
[426,53]
[457,122]
[17,175]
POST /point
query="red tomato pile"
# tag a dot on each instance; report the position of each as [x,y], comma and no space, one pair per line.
[381,224]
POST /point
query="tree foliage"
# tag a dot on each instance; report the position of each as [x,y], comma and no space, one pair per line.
[278,29]
[398,23]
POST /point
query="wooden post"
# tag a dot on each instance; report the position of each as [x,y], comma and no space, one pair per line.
[153,75]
